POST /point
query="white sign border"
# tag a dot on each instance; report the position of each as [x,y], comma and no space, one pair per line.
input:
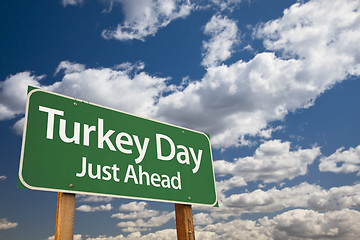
[104,194]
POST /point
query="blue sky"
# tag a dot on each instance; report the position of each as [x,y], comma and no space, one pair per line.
[275,84]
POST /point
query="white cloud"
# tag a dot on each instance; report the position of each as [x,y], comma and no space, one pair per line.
[18,127]
[294,224]
[69,67]
[75,237]
[146,213]
[324,214]
[166,234]
[335,198]
[133,206]
[3,178]
[330,29]
[302,196]
[72,2]
[237,229]
[155,221]
[273,161]
[233,182]
[231,101]
[224,34]
[144,18]
[91,198]
[305,195]
[144,219]
[317,49]
[226,4]
[342,161]
[114,88]
[87,208]
[13,94]
[272,199]
[5,224]
[309,224]
[202,219]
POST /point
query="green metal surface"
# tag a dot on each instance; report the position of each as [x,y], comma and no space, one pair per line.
[110,142]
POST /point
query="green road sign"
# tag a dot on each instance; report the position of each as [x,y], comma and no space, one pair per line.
[75,146]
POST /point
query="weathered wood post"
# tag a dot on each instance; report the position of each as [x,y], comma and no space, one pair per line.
[184,222]
[65,211]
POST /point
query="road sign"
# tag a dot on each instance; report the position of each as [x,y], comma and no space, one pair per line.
[75,146]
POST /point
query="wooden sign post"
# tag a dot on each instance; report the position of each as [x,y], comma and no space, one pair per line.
[65,211]
[156,144]
[184,222]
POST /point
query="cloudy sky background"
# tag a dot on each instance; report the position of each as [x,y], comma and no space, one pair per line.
[274,83]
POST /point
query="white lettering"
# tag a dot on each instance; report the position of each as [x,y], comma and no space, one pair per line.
[197,159]
[104,138]
[115,170]
[155,178]
[130,173]
[165,183]
[176,179]
[158,147]
[62,132]
[141,174]
[141,149]
[50,121]
[120,142]
[83,171]
[87,130]
[108,174]
[185,153]
[105,169]
[98,173]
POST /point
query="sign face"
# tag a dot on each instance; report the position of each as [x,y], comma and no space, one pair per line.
[74,146]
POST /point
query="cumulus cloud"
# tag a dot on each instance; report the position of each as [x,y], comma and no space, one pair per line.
[272,199]
[87,208]
[92,198]
[6,224]
[342,161]
[13,93]
[308,51]
[144,225]
[72,2]
[294,224]
[330,29]
[309,224]
[111,87]
[335,198]
[224,35]
[202,219]
[133,206]
[144,18]
[18,127]
[304,195]
[228,5]
[166,234]
[143,219]
[273,161]
[233,182]
[231,101]
[136,215]
[237,229]
[75,237]
[114,88]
